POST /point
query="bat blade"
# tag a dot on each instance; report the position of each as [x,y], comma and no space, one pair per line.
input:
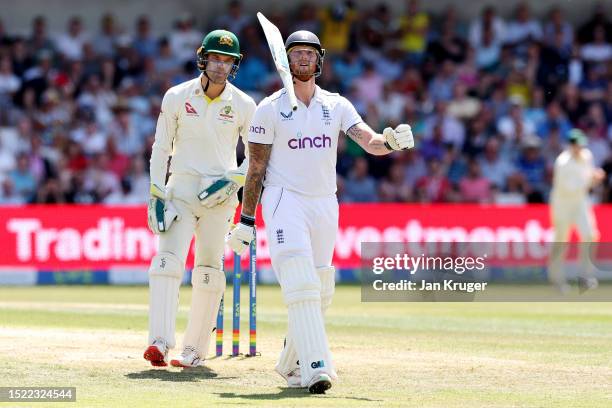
[277,48]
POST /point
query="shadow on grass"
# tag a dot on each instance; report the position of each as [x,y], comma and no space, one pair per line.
[185,375]
[290,393]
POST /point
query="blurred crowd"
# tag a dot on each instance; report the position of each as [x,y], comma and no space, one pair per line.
[490,100]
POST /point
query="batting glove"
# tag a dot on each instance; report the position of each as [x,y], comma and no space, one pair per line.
[241,236]
[399,139]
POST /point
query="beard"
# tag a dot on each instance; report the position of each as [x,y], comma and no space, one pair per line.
[303,72]
[216,77]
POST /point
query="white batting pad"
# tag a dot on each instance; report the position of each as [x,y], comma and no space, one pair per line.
[165,276]
[208,287]
[301,288]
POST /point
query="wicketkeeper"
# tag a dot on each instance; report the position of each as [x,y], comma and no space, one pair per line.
[198,126]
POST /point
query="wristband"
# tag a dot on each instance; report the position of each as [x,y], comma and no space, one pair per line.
[247,220]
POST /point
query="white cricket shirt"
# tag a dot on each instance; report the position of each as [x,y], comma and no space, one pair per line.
[304,142]
[572,178]
[201,134]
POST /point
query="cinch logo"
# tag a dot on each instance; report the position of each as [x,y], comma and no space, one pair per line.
[260,130]
[318,364]
[316,142]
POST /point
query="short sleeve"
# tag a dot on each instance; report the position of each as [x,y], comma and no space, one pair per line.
[350,117]
[249,111]
[261,129]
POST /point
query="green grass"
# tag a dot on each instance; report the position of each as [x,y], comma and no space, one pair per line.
[387,354]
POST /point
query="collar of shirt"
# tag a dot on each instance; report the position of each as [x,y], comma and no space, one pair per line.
[317,97]
[196,90]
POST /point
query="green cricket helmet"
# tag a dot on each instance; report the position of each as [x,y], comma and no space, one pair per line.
[220,42]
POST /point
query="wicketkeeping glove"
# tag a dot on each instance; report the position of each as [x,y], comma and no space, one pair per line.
[216,192]
[160,212]
[399,139]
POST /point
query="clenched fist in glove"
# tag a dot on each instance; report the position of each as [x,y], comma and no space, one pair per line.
[240,237]
[160,212]
[399,139]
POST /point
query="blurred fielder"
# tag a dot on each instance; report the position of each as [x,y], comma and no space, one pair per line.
[296,152]
[574,175]
[199,125]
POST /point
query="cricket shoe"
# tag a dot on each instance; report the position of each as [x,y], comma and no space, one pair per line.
[293,378]
[189,358]
[319,383]
[585,284]
[157,353]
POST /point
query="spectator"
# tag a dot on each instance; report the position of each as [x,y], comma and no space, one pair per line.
[451,129]
[599,18]
[348,67]
[185,40]
[369,87]
[123,196]
[235,20]
[494,167]
[533,166]
[593,87]
[70,44]
[449,46]
[22,179]
[39,39]
[360,187]
[558,31]
[88,121]
[523,28]
[306,19]
[488,23]
[599,50]
[9,82]
[8,196]
[394,188]
[336,27]
[515,125]
[433,187]
[414,30]
[50,192]
[90,137]
[108,36]
[474,188]
[441,86]
[391,105]
[463,106]
[488,52]
[555,119]
[144,42]
[165,62]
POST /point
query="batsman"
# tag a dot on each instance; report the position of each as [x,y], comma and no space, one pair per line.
[198,127]
[296,151]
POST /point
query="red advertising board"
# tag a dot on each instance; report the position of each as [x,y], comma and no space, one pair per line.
[101,237]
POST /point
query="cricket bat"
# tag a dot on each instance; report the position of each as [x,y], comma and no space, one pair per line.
[277,48]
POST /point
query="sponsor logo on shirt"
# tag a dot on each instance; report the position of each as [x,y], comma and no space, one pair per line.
[226,114]
[190,109]
[260,130]
[317,142]
[287,116]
